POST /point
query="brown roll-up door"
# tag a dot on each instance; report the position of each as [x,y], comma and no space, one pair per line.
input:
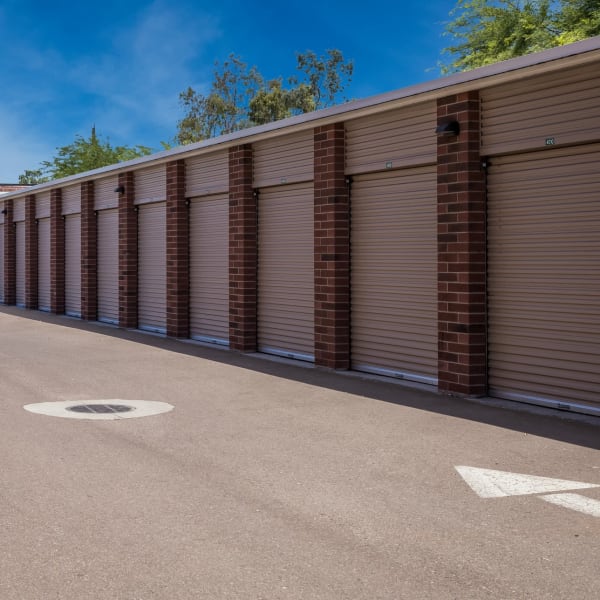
[104,193]
[207,174]
[544,276]
[1,262]
[394,274]
[152,270]
[108,266]
[209,269]
[151,185]
[285,159]
[73,265]
[547,109]
[286,271]
[71,200]
[393,139]
[44,273]
[20,262]
[19,210]
[42,205]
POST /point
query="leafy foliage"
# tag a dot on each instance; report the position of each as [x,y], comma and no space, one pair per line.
[240,97]
[488,31]
[80,156]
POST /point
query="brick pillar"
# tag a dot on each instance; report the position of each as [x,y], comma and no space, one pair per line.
[243,251]
[128,253]
[31,254]
[10,255]
[178,253]
[461,250]
[57,253]
[332,249]
[89,269]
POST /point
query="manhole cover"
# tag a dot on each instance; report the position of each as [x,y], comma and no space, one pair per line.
[100,410]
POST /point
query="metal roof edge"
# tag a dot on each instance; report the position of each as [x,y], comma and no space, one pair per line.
[572,54]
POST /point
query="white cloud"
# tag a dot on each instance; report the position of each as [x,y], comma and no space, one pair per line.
[129,88]
[138,79]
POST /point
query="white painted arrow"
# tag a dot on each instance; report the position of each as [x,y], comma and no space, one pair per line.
[488,483]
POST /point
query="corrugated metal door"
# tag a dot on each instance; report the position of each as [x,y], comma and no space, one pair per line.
[544,276]
[286,271]
[396,139]
[20,259]
[151,185]
[104,193]
[108,266]
[286,159]
[44,274]
[73,265]
[209,269]
[152,270]
[2,262]
[394,274]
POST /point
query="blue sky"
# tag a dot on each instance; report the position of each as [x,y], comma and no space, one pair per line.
[120,64]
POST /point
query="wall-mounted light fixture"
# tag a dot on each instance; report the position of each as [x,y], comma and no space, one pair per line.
[448,128]
[120,189]
[4,211]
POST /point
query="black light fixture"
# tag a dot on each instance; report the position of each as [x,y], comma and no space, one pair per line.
[448,128]
[120,189]
[4,211]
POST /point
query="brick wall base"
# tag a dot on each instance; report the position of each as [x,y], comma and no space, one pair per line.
[332,249]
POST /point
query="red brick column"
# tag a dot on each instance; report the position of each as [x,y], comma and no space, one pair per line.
[332,249]
[89,269]
[31,254]
[178,268]
[128,253]
[243,251]
[10,255]
[57,253]
[462,365]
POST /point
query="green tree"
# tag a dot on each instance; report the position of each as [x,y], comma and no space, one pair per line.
[240,96]
[488,31]
[578,20]
[80,156]
[32,177]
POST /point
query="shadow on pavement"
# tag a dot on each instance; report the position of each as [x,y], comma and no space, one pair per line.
[580,430]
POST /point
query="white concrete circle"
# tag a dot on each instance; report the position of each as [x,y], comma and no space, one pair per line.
[139,408]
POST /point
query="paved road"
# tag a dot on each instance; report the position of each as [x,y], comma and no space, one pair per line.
[270,481]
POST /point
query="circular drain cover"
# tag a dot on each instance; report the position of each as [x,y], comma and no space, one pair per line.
[99,410]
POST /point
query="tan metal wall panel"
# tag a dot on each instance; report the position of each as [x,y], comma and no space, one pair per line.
[286,271]
[1,261]
[104,193]
[19,210]
[151,185]
[398,138]
[71,199]
[544,276]
[42,205]
[394,274]
[207,174]
[108,266]
[523,115]
[20,259]
[285,159]
[44,274]
[152,270]
[73,265]
[209,268]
